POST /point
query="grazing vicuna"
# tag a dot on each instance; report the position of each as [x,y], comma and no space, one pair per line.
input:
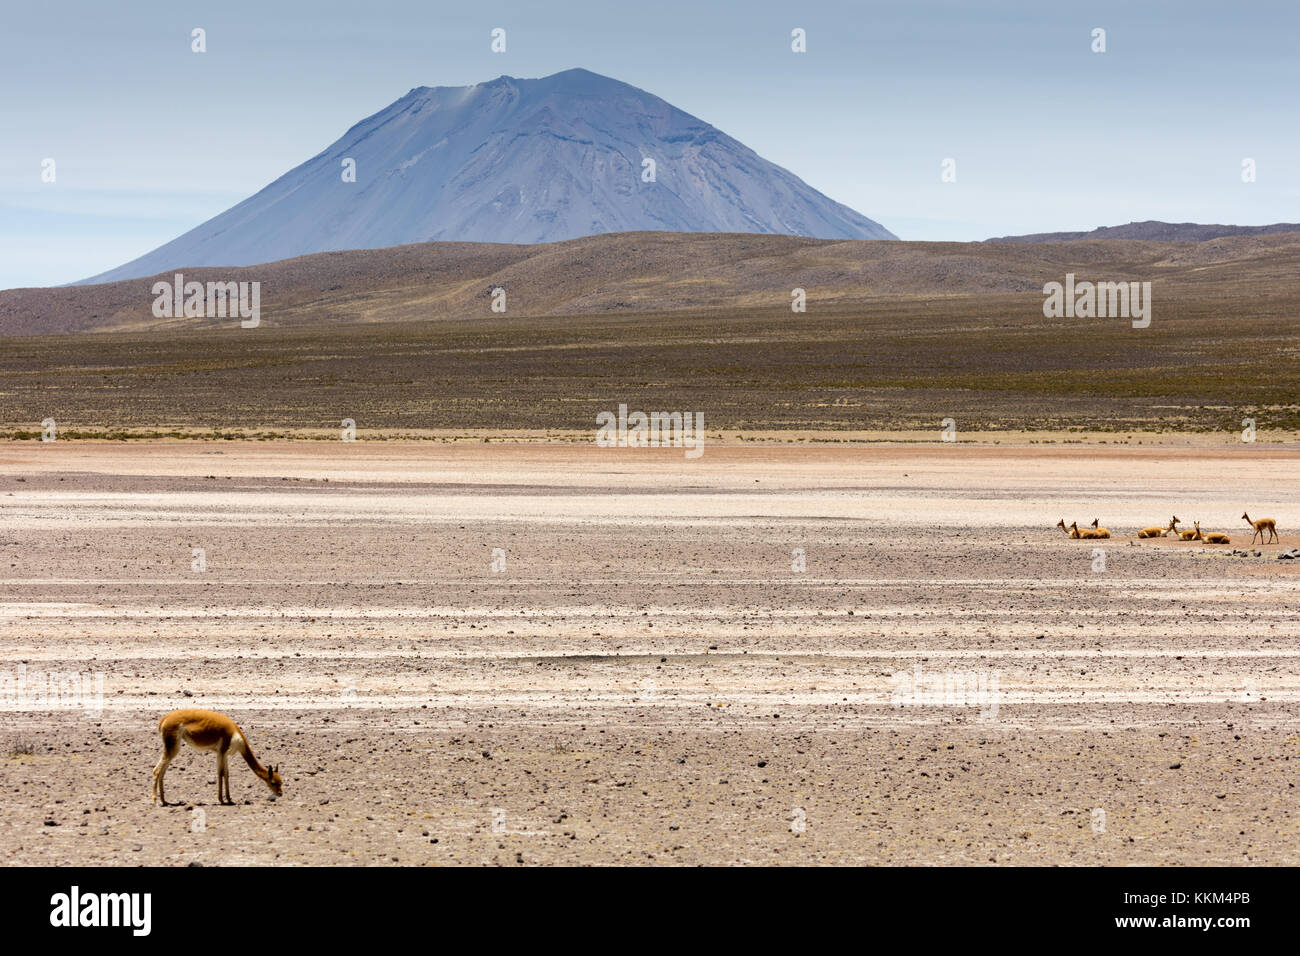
[1261,525]
[208,730]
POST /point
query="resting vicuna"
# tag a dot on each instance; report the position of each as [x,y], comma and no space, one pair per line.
[1214,537]
[1066,528]
[1158,532]
[1097,527]
[1193,535]
[1089,533]
[1260,526]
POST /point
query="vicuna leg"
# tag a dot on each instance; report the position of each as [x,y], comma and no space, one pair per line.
[170,746]
[223,778]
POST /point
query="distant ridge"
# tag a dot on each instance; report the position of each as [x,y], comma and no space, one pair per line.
[642,272]
[511,161]
[1153,230]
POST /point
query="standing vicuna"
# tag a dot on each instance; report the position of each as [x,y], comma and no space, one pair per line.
[208,730]
[1155,531]
[1260,526]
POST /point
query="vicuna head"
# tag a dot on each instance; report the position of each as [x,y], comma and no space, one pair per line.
[273,780]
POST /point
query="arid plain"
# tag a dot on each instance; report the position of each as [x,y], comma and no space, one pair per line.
[473,636]
[644,671]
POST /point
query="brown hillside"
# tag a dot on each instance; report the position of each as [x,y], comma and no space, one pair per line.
[660,272]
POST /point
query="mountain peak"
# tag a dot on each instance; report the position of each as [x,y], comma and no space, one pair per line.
[512,160]
[575,81]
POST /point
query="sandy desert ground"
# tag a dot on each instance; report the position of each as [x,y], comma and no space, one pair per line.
[649,678]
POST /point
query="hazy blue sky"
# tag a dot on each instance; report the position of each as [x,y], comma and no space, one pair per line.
[151,139]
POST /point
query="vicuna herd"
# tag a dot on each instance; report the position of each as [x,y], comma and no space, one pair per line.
[1260,526]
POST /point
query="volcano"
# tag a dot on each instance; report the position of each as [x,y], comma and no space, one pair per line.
[515,161]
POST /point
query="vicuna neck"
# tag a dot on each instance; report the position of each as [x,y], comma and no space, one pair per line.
[253,765]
